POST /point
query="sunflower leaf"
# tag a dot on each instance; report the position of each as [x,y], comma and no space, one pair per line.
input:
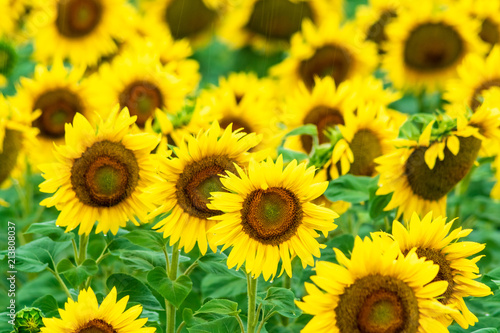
[220,306]
[50,230]
[48,305]
[353,189]
[147,238]
[222,325]
[138,291]
[281,300]
[77,274]
[173,291]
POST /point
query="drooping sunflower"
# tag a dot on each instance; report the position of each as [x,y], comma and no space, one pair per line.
[270,24]
[421,173]
[433,241]
[82,31]
[426,43]
[86,316]
[190,177]
[268,216]
[100,174]
[377,290]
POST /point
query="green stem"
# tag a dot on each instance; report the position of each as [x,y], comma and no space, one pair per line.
[287,283]
[242,328]
[191,268]
[75,250]
[82,249]
[61,282]
[172,275]
[181,326]
[251,291]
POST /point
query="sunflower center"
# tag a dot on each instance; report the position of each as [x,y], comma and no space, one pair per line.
[476,100]
[436,183]
[376,32]
[271,216]
[278,19]
[489,32]
[378,304]
[58,108]
[12,143]
[324,118]
[106,174]
[78,18]
[237,123]
[142,99]
[198,180]
[187,18]
[329,60]
[445,271]
[8,58]
[96,326]
[433,46]
[365,147]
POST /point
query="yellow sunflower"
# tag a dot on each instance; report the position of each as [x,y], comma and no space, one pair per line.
[420,174]
[331,49]
[86,315]
[270,24]
[81,30]
[58,95]
[433,241]
[377,290]
[8,22]
[190,177]
[425,44]
[100,174]
[268,216]
[486,12]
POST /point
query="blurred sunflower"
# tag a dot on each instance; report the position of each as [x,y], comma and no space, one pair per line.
[100,174]
[268,215]
[433,241]
[190,177]
[270,24]
[377,290]
[420,174]
[326,50]
[8,21]
[87,316]
[425,44]
[81,30]
[486,12]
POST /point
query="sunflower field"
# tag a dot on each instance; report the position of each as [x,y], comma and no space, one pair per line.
[250,166]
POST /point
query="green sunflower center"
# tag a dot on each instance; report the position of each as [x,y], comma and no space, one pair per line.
[278,19]
[365,147]
[96,326]
[324,118]
[237,122]
[271,216]
[58,107]
[142,99]
[8,58]
[187,18]
[489,32]
[198,180]
[330,60]
[78,18]
[378,304]
[445,271]
[376,32]
[106,174]
[476,99]
[12,144]
[433,46]
[436,183]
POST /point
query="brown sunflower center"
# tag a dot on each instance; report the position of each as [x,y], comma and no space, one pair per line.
[271,216]
[476,100]
[237,122]
[323,117]
[278,19]
[198,180]
[436,183]
[106,174]
[142,99]
[96,326]
[329,60]
[378,304]
[58,107]
[365,147]
[433,46]
[187,18]
[489,32]
[78,18]
[12,143]
[376,32]
[445,271]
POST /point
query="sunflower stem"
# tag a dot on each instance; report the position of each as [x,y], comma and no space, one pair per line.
[82,249]
[251,291]
[172,275]
[287,283]
[191,268]
[58,278]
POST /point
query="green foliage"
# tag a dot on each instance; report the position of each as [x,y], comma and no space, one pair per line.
[174,291]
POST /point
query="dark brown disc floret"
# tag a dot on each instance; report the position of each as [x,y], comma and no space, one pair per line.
[141,98]
[324,118]
[78,18]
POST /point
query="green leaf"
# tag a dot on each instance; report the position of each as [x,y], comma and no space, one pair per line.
[76,275]
[138,291]
[308,129]
[48,305]
[487,330]
[37,255]
[290,155]
[173,291]
[147,238]
[281,300]
[222,325]
[217,286]
[50,230]
[220,306]
[142,260]
[216,263]
[349,188]
[377,203]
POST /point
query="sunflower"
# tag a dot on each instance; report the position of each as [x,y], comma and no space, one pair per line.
[420,174]
[271,23]
[86,315]
[57,94]
[377,290]
[486,12]
[190,177]
[326,50]
[100,174]
[268,215]
[8,22]
[425,44]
